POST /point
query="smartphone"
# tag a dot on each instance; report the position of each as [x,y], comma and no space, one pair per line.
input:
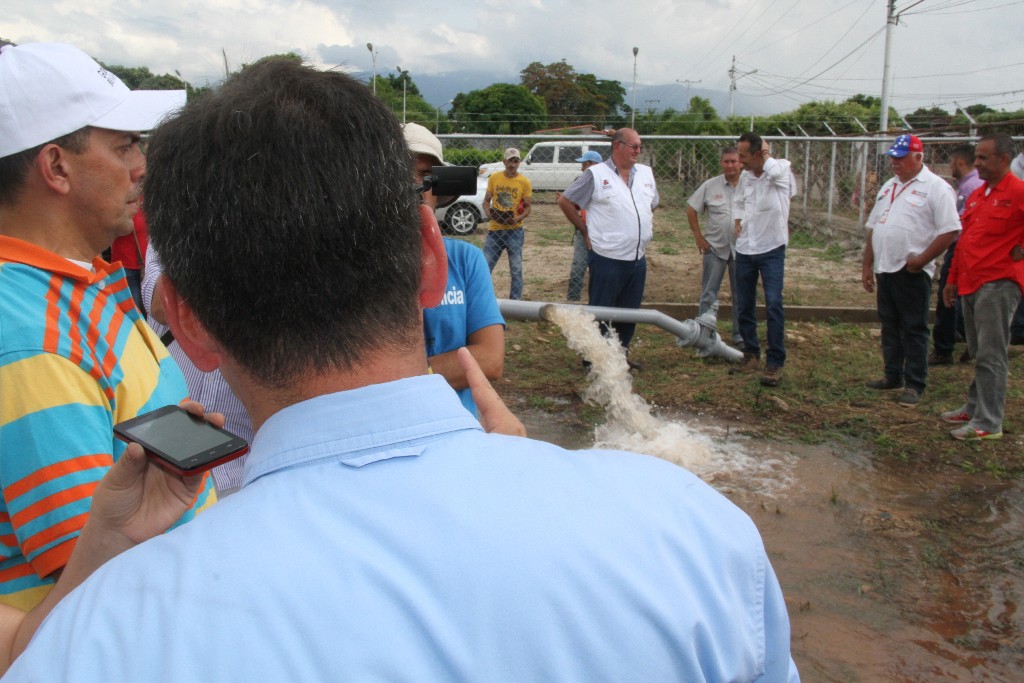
[180,442]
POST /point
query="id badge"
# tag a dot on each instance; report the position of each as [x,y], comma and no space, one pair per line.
[883,217]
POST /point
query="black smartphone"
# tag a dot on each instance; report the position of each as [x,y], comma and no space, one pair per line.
[180,442]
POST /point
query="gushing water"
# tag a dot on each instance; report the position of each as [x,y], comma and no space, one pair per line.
[632,426]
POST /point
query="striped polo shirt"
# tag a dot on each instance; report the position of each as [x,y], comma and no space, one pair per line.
[76,358]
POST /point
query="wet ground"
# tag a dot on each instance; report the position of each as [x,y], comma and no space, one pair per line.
[890,573]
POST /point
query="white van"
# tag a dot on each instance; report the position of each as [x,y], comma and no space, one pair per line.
[552,165]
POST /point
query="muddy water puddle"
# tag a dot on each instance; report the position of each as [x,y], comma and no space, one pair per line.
[890,573]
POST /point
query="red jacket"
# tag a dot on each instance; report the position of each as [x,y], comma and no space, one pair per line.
[992,225]
[124,248]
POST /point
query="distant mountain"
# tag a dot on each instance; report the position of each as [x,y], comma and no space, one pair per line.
[439,89]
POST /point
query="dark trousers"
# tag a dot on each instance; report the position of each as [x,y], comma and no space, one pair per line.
[903,303]
[619,284]
[770,267]
[1017,325]
[949,320]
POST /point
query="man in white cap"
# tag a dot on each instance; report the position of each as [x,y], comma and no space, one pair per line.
[75,355]
[468,314]
[508,203]
[913,222]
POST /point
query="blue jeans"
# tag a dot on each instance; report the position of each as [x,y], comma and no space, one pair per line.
[770,267]
[511,239]
[903,303]
[578,269]
[711,277]
[619,284]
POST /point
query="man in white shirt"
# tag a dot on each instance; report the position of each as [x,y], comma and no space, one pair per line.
[761,212]
[619,197]
[913,222]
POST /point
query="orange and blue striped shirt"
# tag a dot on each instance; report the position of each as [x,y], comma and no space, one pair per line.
[76,358]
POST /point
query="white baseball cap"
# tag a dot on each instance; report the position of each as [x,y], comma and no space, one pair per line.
[422,141]
[48,90]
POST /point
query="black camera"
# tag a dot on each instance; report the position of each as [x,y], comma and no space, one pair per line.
[448,183]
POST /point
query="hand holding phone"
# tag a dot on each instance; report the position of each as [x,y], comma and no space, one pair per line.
[181,442]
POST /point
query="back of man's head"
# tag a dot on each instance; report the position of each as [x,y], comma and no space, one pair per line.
[283,210]
[964,154]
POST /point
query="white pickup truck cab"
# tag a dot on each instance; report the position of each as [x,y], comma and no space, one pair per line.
[552,165]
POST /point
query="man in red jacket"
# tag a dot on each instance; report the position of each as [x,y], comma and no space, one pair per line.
[988,273]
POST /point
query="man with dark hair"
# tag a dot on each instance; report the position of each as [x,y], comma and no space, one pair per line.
[76,357]
[619,196]
[508,202]
[988,274]
[948,320]
[381,533]
[914,220]
[761,213]
[717,244]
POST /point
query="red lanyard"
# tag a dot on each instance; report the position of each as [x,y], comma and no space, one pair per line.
[896,193]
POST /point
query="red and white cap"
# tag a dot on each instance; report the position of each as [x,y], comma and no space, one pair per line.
[51,89]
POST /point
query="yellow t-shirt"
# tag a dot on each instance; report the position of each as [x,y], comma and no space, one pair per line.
[506,195]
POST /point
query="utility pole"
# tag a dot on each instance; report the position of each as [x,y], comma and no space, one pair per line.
[687,83]
[373,59]
[890,20]
[735,76]
[227,73]
[402,74]
[974,124]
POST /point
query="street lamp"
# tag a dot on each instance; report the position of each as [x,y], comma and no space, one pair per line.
[633,118]
[373,58]
[402,74]
[437,117]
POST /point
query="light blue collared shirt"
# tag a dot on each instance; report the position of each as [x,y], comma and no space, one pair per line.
[382,535]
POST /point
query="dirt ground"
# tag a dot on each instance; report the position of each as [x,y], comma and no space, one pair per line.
[899,550]
[822,396]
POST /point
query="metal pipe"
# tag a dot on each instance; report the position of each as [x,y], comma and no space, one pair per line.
[700,333]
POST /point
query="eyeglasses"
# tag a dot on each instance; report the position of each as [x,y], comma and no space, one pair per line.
[513,160]
[635,148]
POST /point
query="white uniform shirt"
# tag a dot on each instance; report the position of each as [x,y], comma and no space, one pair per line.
[762,207]
[908,217]
[715,197]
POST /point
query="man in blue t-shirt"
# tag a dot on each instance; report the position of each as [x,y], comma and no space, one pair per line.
[468,314]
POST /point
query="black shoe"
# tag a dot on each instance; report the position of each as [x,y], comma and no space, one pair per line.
[1017,340]
[940,359]
[965,357]
[634,364]
[883,384]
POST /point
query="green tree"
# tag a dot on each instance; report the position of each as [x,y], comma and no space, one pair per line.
[570,96]
[700,119]
[499,108]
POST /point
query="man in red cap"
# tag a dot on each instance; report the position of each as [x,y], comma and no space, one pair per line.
[913,222]
[988,273]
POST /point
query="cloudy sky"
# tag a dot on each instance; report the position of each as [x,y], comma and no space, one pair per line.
[967,51]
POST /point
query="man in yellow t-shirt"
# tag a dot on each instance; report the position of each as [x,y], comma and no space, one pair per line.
[508,203]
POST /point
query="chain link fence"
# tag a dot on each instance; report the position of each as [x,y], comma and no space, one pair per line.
[837,178]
